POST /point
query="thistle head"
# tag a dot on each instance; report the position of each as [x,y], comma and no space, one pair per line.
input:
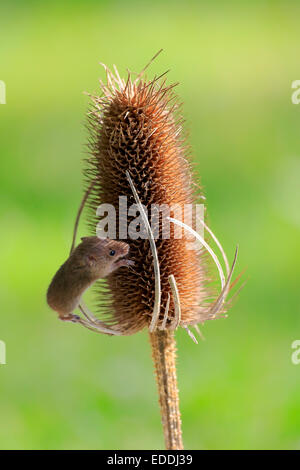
[137,150]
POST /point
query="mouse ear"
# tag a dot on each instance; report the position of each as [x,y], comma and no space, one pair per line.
[90,259]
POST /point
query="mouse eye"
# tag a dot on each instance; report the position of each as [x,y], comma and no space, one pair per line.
[112,253]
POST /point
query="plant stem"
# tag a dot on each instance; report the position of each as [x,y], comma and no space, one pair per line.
[164,357]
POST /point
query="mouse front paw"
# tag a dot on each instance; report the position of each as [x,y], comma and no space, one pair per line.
[70,317]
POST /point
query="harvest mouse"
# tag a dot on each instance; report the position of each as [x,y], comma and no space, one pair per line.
[94,258]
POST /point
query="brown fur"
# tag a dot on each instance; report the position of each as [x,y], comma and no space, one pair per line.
[91,260]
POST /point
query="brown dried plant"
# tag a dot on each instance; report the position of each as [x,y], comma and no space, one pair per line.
[137,149]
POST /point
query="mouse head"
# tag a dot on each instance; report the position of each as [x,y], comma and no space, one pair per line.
[102,256]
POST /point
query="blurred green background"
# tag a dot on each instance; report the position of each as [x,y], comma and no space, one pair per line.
[65,387]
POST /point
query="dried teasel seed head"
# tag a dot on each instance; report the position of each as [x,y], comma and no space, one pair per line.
[136,127]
